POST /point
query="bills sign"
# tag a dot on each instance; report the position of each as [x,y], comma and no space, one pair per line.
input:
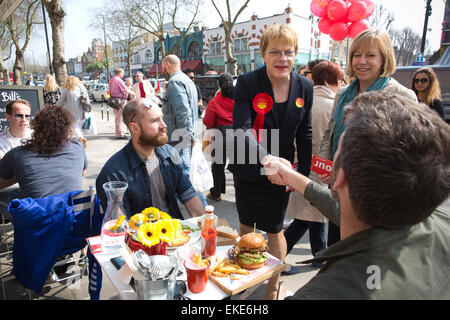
[321,165]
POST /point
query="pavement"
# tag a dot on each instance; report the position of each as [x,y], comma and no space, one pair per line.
[100,148]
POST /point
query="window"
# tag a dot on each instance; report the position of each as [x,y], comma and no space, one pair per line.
[215,47]
[240,44]
[148,56]
[194,50]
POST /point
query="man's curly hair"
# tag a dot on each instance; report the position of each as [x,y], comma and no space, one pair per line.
[52,130]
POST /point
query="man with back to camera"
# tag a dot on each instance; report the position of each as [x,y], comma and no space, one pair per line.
[394,240]
[152,168]
[180,110]
[191,74]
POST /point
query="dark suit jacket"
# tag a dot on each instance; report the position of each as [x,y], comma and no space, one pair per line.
[296,124]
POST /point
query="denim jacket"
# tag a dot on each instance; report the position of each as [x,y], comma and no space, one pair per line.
[180,107]
[126,165]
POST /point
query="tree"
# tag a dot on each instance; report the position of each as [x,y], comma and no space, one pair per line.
[5,44]
[151,15]
[406,44]
[228,25]
[118,28]
[381,18]
[20,25]
[56,14]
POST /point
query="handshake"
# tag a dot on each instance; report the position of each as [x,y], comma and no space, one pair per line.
[280,171]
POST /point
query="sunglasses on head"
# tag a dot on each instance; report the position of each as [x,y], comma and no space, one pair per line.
[22,116]
[423,80]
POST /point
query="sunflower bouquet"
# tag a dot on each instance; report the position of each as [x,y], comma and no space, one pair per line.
[151,230]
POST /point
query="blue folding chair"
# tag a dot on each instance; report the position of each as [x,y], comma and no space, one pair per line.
[50,227]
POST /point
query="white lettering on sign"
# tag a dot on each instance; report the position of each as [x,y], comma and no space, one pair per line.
[13,95]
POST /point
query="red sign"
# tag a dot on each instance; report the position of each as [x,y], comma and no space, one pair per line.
[321,165]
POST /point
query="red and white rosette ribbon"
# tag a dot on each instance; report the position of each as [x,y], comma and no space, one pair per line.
[262,104]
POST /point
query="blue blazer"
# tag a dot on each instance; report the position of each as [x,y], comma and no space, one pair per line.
[295,124]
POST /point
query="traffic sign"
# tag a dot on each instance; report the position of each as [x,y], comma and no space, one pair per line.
[420,57]
[419,63]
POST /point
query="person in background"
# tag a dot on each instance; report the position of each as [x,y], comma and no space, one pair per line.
[152,168]
[70,99]
[326,76]
[386,199]
[129,84]
[219,116]
[52,91]
[118,89]
[30,81]
[301,70]
[372,62]
[18,115]
[143,88]
[425,84]
[290,98]
[307,71]
[50,162]
[190,73]
[180,110]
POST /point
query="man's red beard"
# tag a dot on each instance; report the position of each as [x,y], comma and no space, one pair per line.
[154,141]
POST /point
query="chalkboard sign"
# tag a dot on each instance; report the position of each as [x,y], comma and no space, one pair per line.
[32,94]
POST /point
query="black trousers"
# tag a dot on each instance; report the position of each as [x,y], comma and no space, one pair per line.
[218,173]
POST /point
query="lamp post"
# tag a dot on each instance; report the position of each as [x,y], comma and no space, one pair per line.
[425,26]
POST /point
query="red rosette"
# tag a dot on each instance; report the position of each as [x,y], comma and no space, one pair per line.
[262,104]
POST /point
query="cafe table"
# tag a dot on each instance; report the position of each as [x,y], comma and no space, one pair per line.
[212,291]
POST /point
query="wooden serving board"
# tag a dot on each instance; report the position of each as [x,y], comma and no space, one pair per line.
[222,241]
[232,287]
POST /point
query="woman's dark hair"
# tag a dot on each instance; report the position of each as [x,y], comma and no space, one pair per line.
[226,85]
[52,129]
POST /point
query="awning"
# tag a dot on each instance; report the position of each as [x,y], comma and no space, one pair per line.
[156,68]
[195,65]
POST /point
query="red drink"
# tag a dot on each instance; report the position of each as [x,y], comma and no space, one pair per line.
[197,276]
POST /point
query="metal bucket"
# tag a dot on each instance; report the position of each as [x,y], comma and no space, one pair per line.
[163,288]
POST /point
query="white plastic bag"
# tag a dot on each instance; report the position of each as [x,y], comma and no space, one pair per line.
[200,173]
[89,124]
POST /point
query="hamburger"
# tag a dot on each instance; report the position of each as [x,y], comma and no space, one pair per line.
[249,251]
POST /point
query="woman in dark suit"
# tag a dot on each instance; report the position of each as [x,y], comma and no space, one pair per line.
[278,100]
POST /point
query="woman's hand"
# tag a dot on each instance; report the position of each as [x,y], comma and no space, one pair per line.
[325,178]
[278,170]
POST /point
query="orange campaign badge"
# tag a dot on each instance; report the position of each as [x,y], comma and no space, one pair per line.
[299,102]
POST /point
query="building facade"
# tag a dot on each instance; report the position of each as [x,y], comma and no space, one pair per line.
[246,37]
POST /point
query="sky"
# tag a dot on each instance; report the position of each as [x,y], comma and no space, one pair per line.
[78,36]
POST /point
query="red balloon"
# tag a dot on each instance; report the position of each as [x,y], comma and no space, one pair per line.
[337,10]
[319,7]
[357,27]
[357,11]
[324,25]
[370,8]
[339,31]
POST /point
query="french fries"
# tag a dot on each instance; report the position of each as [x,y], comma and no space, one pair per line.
[224,267]
[197,259]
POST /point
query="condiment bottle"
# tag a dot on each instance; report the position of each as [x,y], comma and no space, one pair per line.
[209,235]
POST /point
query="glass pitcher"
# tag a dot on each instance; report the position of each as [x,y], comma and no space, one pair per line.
[115,220]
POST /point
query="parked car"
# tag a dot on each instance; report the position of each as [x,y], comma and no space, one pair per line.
[100,92]
[90,88]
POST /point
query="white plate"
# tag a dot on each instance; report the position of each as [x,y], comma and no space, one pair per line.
[195,235]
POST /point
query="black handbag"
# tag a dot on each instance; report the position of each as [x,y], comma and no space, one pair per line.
[114,103]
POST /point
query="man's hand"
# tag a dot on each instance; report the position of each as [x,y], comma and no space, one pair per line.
[325,178]
[277,170]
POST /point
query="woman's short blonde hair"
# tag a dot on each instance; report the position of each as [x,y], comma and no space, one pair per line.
[383,41]
[50,83]
[278,32]
[72,82]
